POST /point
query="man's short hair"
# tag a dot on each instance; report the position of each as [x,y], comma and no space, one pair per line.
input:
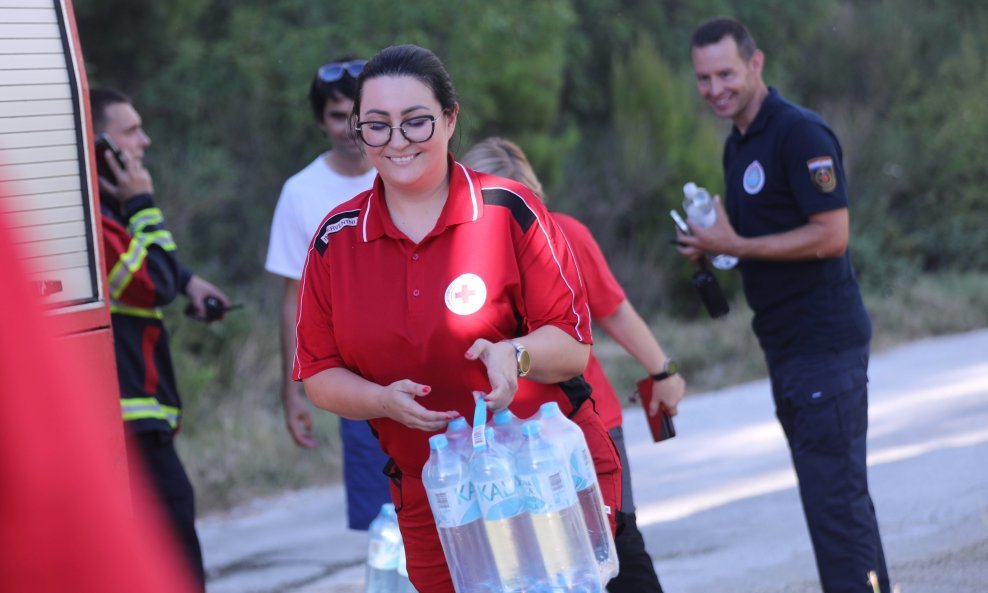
[321,91]
[99,100]
[715,29]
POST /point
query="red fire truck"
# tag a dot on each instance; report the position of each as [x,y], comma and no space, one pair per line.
[49,192]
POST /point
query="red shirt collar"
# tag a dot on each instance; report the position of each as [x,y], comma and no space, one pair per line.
[465,203]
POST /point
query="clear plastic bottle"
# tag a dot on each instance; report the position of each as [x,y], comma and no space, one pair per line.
[551,500]
[382,552]
[569,437]
[699,207]
[461,529]
[507,429]
[509,528]
[458,435]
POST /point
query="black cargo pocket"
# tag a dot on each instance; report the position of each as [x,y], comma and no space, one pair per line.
[831,408]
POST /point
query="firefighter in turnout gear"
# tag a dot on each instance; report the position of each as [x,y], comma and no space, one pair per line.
[143,274]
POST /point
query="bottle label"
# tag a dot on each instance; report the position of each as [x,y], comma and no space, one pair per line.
[455,505]
[382,554]
[582,468]
[547,492]
[499,499]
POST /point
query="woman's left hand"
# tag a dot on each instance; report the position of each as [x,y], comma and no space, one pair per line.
[502,371]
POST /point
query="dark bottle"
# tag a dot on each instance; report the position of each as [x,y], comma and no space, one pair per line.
[710,293]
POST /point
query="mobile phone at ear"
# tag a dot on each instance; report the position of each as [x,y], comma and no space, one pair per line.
[103,144]
[679,221]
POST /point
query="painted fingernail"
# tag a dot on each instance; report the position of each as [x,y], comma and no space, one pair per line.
[426,389]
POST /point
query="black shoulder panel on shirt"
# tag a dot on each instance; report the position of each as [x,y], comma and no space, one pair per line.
[496,196]
[334,224]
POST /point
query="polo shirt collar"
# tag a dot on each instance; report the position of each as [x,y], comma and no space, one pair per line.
[464,203]
[772,103]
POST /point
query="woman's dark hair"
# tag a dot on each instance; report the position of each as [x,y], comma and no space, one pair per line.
[321,91]
[715,29]
[408,60]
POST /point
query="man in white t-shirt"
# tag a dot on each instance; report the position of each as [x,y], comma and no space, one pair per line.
[332,178]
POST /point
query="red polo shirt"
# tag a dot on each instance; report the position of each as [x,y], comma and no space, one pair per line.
[495,266]
[605,295]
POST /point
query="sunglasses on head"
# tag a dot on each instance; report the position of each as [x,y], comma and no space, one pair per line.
[333,71]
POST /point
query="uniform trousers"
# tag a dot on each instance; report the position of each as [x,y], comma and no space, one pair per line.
[152,458]
[821,402]
[423,551]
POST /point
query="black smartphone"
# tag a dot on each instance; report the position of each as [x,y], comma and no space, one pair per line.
[678,219]
[103,144]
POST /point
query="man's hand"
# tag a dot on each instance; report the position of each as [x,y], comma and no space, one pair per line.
[132,179]
[719,239]
[298,416]
[198,289]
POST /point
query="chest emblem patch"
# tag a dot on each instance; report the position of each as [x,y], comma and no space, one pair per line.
[466,294]
[822,173]
[754,178]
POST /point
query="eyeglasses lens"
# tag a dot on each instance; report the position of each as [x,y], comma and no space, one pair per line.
[415,129]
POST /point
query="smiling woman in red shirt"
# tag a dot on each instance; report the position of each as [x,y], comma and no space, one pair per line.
[437,286]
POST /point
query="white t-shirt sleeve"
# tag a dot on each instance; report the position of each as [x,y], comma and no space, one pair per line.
[307,197]
[289,237]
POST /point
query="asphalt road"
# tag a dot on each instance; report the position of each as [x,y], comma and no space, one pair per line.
[718,504]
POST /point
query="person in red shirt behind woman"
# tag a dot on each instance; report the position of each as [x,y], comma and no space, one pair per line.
[611,310]
[437,286]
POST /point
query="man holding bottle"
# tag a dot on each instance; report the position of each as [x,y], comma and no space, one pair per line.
[787,220]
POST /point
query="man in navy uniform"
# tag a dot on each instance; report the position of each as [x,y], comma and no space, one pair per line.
[786,218]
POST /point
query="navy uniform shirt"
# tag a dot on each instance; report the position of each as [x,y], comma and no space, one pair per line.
[784,168]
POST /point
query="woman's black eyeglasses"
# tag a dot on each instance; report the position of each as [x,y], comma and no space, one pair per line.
[415,129]
[333,71]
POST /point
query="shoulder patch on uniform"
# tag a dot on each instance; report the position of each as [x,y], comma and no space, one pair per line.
[522,214]
[822,173]
[334,224]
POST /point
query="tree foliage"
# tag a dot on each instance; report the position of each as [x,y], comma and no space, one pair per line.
[600,93]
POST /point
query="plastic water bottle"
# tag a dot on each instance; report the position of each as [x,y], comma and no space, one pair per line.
[461,529]
[699,207]
[551,500]
[404,584]
[383,551]
[507,429]
[563,431]
[458,435]
[509,528]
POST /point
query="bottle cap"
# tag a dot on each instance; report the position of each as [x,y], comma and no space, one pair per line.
[689,189]
[550,409]
[502,417]
[437,442]
[530,428]
[458,423]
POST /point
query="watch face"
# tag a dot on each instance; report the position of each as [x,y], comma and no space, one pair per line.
[672,367]
[524,362]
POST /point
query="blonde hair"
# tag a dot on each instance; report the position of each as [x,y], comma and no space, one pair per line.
[502,157]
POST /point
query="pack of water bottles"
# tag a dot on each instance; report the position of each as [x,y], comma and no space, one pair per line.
[517,505]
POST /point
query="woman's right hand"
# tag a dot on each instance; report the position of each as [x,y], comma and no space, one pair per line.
[398,401]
